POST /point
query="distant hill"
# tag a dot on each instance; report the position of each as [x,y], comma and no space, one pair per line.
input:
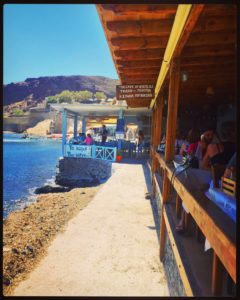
[36,89]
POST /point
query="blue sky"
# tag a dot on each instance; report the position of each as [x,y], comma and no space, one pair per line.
[50,40]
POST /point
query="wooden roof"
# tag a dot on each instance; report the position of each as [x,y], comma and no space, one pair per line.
[137,36]
[209,56]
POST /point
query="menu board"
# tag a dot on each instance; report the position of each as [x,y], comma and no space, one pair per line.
[135,91]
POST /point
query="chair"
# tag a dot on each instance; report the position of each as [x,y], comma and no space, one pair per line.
[228,186]
[217,172]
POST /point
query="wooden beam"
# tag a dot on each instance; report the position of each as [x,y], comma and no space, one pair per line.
[129,55]
[154,114]
[139,71]
[139,28]
[152,134]
[140,11]
[130,43]
[178,206]
[158,127]
[170,139]
[133,80]
[143,63]
[165,195]
[172,109]
[178,25]
[188,28]
[101,17]
[138,76]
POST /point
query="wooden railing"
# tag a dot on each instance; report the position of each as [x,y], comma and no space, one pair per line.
[93,151]
[217,227]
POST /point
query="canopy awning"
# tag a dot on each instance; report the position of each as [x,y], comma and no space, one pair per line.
[92,110]
[138,36]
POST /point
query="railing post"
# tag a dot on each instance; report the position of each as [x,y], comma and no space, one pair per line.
[75,125]
[83,124]
[64,130]
[170,141]
[93,151]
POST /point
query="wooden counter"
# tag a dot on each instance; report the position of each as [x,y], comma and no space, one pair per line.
[217,227]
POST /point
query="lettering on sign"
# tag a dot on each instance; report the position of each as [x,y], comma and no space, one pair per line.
[135,91]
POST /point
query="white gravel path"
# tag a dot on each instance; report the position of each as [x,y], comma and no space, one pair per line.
[109,249]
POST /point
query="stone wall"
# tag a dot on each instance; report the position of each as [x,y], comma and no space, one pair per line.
[174,280]
[82,172]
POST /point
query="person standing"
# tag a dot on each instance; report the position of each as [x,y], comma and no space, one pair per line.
[104,134]
[88,140]
[140,142]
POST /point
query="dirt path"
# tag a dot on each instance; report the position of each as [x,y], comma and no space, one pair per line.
[109,249]
[28,233]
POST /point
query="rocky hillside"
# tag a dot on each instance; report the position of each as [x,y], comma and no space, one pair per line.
[36,89]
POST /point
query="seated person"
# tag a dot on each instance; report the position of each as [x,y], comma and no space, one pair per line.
[88,140]
[189,147]
[81,137]
[178,141]
[221,152]
[191,143]
[161,146]
[206,139]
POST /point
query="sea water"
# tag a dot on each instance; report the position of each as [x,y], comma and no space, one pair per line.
[27,164]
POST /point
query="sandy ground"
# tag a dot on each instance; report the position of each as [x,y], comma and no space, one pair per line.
[109,249]
[28,233]
[41,128]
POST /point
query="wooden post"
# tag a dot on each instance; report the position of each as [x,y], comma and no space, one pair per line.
[152,133]
[158,129]
[165,194]
[217,274]
[170,140]
[64,130]
[172,109]
[178,206]
[152,141]
[75,125]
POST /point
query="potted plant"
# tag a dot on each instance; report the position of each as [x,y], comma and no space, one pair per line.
[119,155]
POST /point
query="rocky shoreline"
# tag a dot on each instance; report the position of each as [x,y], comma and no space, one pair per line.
[28,233]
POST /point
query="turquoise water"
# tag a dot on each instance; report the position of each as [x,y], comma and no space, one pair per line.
[27,164]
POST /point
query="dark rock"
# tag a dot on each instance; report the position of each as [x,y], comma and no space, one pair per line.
[30,248]
[6,280]
[51,189]
[82,172]
[24,252]
[14,250]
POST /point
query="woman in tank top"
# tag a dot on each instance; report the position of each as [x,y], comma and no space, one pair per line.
[222,151]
